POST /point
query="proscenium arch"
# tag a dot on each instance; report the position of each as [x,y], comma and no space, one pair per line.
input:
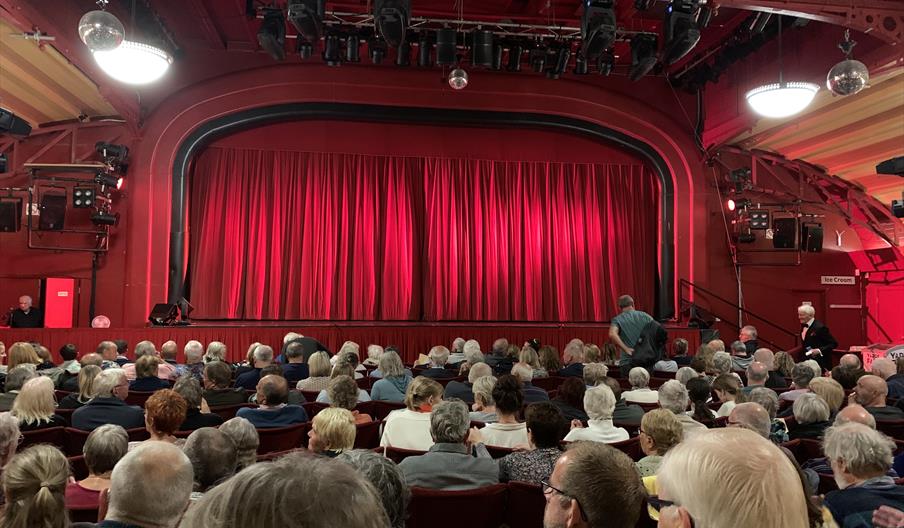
[208,131]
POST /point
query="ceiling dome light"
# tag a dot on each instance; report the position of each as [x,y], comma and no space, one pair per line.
[781,99]
[134,63]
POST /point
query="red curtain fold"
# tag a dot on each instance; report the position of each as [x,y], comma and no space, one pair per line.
[319,236]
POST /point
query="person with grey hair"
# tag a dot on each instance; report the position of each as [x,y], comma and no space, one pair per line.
[374,352]
[594,374]
[26,315]
[599,403]
[673,397]
[757,374]
[816,340]
[216,351]
[748,336]
[438,355]
[103,449]
[801,375]
[213,458]
[852,413]
[273,409]
[386,478]
[464,390]
[394,379]
[640,392]
[15,379]
[150,487]
[472,356]
[860,458]
[739,358]
[449,464]
[498,357]
[189,388]
[768,399]
[484,407]
[9,439]
[626,327]
[246,439]
[811,417]
[814,366]
[295,369]
[165,371]
[194,359]
[263,357]
[722,363]
[573,359]
[685,374]
[108,351]
[775,379]
[108,406]
[525,374]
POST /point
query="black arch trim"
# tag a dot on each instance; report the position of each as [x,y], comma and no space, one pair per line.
[207,132]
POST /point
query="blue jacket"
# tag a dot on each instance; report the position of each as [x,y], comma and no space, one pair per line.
[295,372]
[248,380]
[109,410]
[575,370]
[853,506]
[149,384]
[268,418]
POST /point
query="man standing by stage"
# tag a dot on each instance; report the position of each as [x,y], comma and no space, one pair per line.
[625,329]
[26,315]
[818,342]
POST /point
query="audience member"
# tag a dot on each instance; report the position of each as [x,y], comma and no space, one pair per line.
[506,431]
[338,496]
[549,359]
[885,368]
[295,369]
[748,336]
[570,399]
[395,379]
[9,441]
[246,439]
[168,354]
[472,356]
[111,387]
[122,351]
[102,450]
[386,478]
[871,392]
[409,428]
[545,430]
[70,384]
[801,375]
[573,359]
[739,358]
[775,380]
[217,390]
[752,416]
[599,402]
[22,353]
[673,397]
[768,400]
[728,389]
[860,457]
[830,391]
[263,357]
[531,394]
[86,377]
[623,413]
[684,374]
[150,488]
[216,351]
[640,392]
[698,393]
[34,484]
[594,373]
[679,351]
[273,411]
[439,355]
[344,393]
[528,356]
[722,365]
[626,328]
[757,375]
[146,379]
[70,367]
[213,458]
[35,406]
[374,353]
[593,486]
[449,464]
[319,378]
[165,371]
[811,417]
[194,359]
[47,366]
[16,377]
[680,347]
[716,480]
[164,412]
[332,432]
[847,376]
[464,391]
[659,432]
[784,364]
[850,361]
[484,406]
[852,413]
[188,387]
[499,358]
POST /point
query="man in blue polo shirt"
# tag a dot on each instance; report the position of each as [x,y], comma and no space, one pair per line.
[625,329]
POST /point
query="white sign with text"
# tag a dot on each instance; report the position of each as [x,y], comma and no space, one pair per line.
[838,279]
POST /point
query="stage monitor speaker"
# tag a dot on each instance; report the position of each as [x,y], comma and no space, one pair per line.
[53,212]
[811,237]
[784,233]
[12,124]
[10,214]
[163,314]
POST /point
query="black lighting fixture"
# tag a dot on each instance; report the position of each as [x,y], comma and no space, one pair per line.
[897,207]
[377,50]
[424,56]
[759,218]
[304,48]
[580,65]
[515,54]
[538,58]
[597,27]
[113,154]
[83,197]
[746,238]
[446,47]
[331,51]
[13,125]
[643,55]
[272,34]
[403,54]
[681,31]
[352,48]
[53,210]
[482,48]
[307,17]
[108,180]
[391,19]
[105,218]
[560,63]
[606,63]
[497,57]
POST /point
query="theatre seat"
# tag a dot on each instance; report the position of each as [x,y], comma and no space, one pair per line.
[630,447]
[382,408]
[227,412]
[367,435]
[74,439]
[310,396]
[477,508]
[78,467]
[893,428]
[397,454]
[104,504]
[499,452]
[548,384]
[283,438]
[138,398]
[525,505]
[51,435]
[65,414]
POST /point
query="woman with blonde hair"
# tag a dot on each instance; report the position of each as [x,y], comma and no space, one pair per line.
[86,377]
[34,484]
[319,378]
[784,363]
[332,432]
[409,428]
[529,357]
[484,407]
[830,390]
[660,431]
[592,353]
[35,405]
[22,352]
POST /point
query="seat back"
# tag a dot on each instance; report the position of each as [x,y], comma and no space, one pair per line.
[78,467]
[893,428]
[367,435]
[138,397]
[525,505]
[65,414]
[397,454]
[381,409]
[499,452]
[74,441]
[310,395]
[477,508]
[282,438]
[630,447]
[138,434]
[548,384]
[227,412]
[50,435]
[60,394]
[103,504]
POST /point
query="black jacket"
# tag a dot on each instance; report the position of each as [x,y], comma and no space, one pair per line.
[818,336]
[109,410]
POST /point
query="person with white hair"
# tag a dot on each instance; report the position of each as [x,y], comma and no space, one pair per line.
[386,478]
[464,390]
[438,355]
[26,315]
[484,407]
[860,458]
[165,371]
[263,357]
[599,402]
[801,376]
[374,352]
[673,397]
[695,488]
[194,359]
[816,340]
[811,417]
[108,405]
[594,374]
[216,351]
[640,391]
[748,336]
[573,359]
[685,374]
[394,381]
[150,487]
[525,375]
[775,380]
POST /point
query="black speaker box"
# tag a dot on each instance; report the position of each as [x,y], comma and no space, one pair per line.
[10,214]
[12,124]
[53,212]
[811,237]
[784,233]
[163,314]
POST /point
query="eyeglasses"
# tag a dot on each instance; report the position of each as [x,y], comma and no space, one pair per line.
[548,488]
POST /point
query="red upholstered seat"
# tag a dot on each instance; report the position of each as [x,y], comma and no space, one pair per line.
[367,435]
[104,504]
[80,471]
[647,407]
[382,408]
[310,396]
[283,438]
[655,383]
[397,454]
[499,452]
[60,394]
[477,508]
[548,384]
[630,447]
[228,412]
[804,449]
[364,383]
[74,439]
[893,428]
[50,435]
[276,454]
[138,397]
[525,505]
[78,467]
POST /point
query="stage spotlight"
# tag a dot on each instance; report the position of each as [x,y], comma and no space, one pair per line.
[305,49]
[377,51]
[272,34]
[597,27]
[446,46]
[403,54]
[731,205]
[538,58]
[759,218]
[391,20]
[580,65]
[307,17]
[562,55]
[82,197]
[104,218]
[606,63]
[514,58]
[482,48]
[458,79]
[112,154]
[642,5]
[740,178]
[643,55]
[424,59]
[331,53]
[107,180]
[681,31]
[352,48]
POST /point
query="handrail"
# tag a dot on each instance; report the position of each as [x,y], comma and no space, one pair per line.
[710,293]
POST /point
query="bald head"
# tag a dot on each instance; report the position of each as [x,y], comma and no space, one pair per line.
[871,391]
[850,360]
[751,416]
[91,359]
[272,390]
[884,368]
[757,373]
[766,357]
[166,477]
[856,414]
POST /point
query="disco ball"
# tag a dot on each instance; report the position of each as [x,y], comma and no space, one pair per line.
[458,79]
[847,77]
[101,31]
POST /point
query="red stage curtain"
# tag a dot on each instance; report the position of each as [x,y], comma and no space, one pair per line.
[319,236]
